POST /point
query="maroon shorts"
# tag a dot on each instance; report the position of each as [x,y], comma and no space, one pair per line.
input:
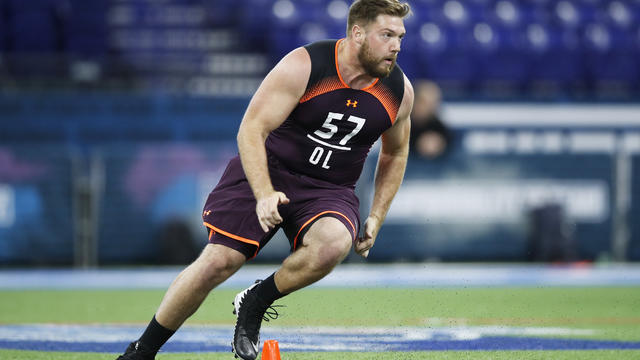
[230,211]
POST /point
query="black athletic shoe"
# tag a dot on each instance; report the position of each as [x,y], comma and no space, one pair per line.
[250,311]
[136,351]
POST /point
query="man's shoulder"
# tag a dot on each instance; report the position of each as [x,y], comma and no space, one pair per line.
[321,45]
[322,56]
[397,75]
[396,82]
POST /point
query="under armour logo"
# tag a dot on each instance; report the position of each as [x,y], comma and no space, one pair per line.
[352,103]
[206,213]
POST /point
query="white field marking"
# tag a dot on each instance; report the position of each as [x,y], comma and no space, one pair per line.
[336,338]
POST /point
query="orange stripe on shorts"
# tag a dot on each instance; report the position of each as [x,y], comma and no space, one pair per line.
[227,234]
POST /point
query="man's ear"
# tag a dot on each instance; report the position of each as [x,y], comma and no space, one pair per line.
[358,34]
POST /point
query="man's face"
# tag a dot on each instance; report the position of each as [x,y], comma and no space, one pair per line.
[381,45]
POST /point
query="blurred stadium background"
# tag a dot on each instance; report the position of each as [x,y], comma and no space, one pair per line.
[117,118]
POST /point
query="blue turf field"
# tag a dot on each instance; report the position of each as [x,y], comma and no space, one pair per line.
[95,338]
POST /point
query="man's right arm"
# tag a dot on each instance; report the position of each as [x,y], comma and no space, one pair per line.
[272,103]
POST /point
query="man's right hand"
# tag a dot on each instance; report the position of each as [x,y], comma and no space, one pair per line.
[267,209]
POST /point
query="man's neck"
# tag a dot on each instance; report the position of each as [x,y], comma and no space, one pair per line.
[351,71]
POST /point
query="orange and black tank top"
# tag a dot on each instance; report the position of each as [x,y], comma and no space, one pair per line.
[329,134]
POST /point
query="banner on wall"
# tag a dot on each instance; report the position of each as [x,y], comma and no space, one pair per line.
[463,201]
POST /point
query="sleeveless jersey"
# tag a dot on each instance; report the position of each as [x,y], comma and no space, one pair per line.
[329,134]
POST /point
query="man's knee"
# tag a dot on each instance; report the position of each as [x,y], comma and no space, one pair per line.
[330,240]
[218,262]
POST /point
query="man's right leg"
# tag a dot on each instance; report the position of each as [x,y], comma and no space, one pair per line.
[215,264]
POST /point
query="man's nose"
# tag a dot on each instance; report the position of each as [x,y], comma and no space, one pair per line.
[396,45]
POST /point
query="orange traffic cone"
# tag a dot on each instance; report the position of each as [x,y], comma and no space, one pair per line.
[270,350]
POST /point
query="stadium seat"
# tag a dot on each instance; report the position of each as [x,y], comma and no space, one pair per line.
[525,12]
[621,13]
[610,60]
[634,8]
[290,14]
[409,57]
[313,9]
[590,11]
[254,22]
[455,13]
[556,62]
[463,42]
[33,26]
[294,24]
[3,28]
[505,13]
[502,62]
[424,11]
[221,13]
[477,10]
[565,13]
[86,28]
[445,57]
[34,32]
[21,6]
[335,15]
[312,31]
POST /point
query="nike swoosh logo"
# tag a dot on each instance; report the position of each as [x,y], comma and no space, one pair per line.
[255,347]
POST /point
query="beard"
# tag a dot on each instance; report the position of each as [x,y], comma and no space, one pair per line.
[374,67]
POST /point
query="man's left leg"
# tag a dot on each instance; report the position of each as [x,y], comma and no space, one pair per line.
[325,245]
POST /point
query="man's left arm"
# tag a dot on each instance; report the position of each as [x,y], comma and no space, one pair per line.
[392,162]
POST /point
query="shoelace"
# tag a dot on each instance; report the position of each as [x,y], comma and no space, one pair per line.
[271,313]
